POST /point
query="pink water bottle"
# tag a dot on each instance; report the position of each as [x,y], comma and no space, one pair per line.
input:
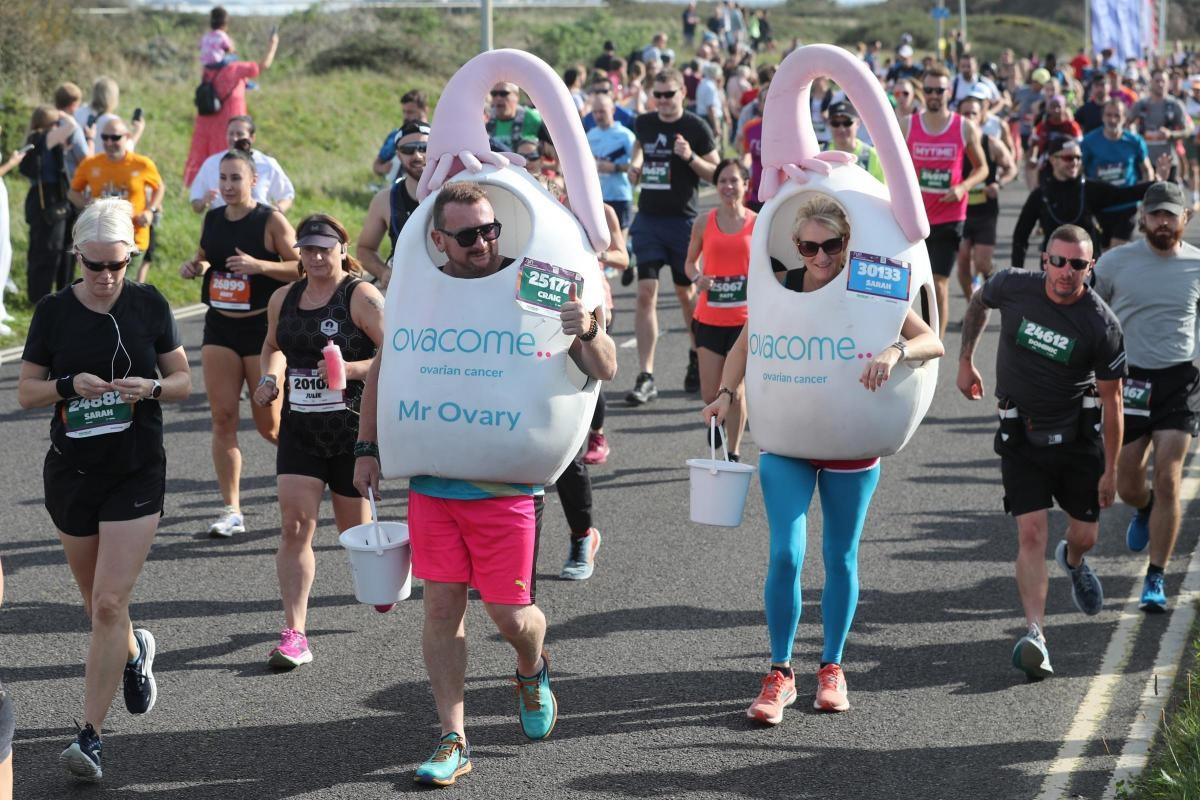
[335,367]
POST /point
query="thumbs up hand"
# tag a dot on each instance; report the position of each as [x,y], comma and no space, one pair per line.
[575,319]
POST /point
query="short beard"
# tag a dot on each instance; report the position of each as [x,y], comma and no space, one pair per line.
[1161,241]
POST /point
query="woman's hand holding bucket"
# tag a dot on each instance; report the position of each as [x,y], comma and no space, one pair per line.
[717,408]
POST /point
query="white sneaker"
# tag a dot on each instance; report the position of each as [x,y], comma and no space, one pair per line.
[229,523]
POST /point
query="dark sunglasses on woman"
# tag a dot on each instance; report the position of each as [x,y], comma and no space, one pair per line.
[100,266]
[467,236]
[831,247]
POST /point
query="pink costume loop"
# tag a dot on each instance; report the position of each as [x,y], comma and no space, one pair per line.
[788,137]
[455,144]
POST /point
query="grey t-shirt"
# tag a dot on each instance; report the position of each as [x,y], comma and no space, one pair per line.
[1156,298]
[1151,115]
[1049,354]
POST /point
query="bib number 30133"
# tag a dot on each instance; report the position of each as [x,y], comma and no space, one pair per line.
[308,393]
[1045,342]
[106,414]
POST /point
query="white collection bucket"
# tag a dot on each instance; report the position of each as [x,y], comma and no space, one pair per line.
[380,560]
[719,487]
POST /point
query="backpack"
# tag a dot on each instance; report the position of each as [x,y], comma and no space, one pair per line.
[208,102]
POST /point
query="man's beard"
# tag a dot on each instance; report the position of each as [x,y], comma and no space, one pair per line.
[1162,238]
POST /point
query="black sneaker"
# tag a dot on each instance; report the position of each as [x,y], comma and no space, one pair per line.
[643,390]
[691,381]
[627,275]
[82,758]
[140,688]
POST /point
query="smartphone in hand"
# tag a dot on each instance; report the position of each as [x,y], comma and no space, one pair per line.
[137,114]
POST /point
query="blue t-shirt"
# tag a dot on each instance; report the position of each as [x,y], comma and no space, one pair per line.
[388,151]
[620,114]
[1114,161]
[615,144]
[453,489]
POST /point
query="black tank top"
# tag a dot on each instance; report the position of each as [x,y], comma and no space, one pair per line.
[300,334]
[990,206]
[400,207]
[220,239]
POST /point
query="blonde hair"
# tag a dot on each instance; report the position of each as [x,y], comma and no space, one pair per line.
[824,210]
[108,220]
[105,95]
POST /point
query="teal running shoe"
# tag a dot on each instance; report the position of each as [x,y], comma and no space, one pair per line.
[537,706]
[450,760]
[1154,594]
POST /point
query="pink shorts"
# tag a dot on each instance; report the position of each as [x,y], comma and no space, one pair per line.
[490,544]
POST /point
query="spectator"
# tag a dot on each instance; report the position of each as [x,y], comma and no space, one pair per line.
[6,239]
[709,104]
[67,99]
[46,205]
[216,46]
[690,21]
[272,187]
[93,116]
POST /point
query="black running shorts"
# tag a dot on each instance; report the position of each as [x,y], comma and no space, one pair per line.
[1174,401]
[336,471]
[242,335]
[1035,477]
[78,503]
[942,245]
[716,338]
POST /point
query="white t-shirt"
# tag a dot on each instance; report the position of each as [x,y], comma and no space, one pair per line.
[273,184]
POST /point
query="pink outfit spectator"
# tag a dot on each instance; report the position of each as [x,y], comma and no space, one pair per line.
[208,136]
[214,46]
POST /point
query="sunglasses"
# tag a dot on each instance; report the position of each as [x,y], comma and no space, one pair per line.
[500,92]
[845,123]
[831,246]
[1069,159]
[665,95]
[101,266]
[467,236]
[112,137]
[935,90]
[602,90]
[1077,264]
[412,147]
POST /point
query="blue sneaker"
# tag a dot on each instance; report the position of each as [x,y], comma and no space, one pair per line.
[141,691]
[538,708]
[1137,535]
[82,757]
[451,759]
[1154,594]
[1031,656]
[1085,586]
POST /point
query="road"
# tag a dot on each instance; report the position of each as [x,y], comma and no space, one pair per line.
[654,659]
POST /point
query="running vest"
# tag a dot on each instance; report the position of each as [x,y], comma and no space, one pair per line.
[400,208]
[518,125]
[324,422]
[978,203]
[219,240]
[727,261]
[937,159]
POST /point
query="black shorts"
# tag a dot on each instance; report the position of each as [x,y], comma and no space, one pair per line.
[336,471]
[661,240]
[1118,225]
[624,212]
[242,335]
[1173,403]
[7,724]
[981,228]
[78,503]
[942,245]
[717,338]
[1035,477]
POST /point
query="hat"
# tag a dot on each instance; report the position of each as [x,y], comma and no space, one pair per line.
[842,109]
[1040,75]
[1061,143]
[318,233]
[410,128]
[1164,196]
[979,92]
[905,51]
[1131,73]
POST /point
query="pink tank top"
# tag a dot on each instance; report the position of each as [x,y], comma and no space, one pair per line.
[938,161]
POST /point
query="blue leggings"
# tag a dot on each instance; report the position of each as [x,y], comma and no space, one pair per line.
[787,486]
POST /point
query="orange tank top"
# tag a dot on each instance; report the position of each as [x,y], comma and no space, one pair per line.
[726,259]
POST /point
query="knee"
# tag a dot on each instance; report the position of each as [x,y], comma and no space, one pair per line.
[1031,539]
[785,564]
[109,609]
[445,611]
[224,422]
[510,626]
[647,295]
[1166,487]
[1084,537]
[297,530]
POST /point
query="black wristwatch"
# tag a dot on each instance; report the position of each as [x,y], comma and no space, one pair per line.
[156,392]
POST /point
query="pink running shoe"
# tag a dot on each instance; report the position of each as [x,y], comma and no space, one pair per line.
[778,692]
[831,689]
[597,449]
[292,650]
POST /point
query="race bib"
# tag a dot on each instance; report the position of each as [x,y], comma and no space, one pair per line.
[229,291]
[934,180]
[1045,342]
[977,197]
[1112,173]
[543,288]
[106,414]
[878,276]
[1136,396]
[727,292]
[309,394]
[656,175]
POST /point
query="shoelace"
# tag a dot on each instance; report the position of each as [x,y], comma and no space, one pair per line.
[292,638]
[445,750]
[1156,582]
[528,688]
[773,684]
[829,678]
[578,548]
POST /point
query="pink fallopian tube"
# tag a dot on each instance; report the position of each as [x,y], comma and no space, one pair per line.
[789,145]
[458,140]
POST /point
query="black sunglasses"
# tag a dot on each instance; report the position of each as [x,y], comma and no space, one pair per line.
[100,266]
[412,147]
[935,90]
[500,92]
[602,90]
[112,137]
[831,246]
[845,123]
[665,95]
[1077,264]
[1069,158]
[467,236]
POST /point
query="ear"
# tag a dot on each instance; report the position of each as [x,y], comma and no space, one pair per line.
[438,240]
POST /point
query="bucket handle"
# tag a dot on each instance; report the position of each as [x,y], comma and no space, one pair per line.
[789,145]
[712,443]
[375,529]
[456,144]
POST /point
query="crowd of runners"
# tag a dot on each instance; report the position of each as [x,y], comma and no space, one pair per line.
[1094,374]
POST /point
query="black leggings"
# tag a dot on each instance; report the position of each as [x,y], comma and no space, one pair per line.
[598,414]
[575,493]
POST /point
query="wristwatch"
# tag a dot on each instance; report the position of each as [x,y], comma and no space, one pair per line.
[156,391]
[268,378]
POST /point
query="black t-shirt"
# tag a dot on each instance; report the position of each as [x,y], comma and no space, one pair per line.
[69,338]
[669,186]
[1050,354]
[794,279]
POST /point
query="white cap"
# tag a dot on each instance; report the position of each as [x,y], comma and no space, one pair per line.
[905,51]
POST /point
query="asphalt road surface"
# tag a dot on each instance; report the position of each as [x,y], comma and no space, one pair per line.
[655,659]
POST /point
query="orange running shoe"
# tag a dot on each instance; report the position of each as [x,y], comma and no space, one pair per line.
[831,689]
[778,692]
